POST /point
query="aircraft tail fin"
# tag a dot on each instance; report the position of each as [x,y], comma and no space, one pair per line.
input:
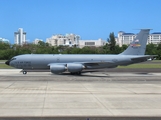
[138,45]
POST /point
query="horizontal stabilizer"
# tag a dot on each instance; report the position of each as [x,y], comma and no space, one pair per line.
[144,58]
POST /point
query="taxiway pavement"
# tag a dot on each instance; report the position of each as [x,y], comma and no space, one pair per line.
[91,94]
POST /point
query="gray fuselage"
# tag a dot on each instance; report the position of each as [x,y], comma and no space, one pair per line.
[42,61]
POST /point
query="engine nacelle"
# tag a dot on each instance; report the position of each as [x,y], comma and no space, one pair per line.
[73,67]
[57,69]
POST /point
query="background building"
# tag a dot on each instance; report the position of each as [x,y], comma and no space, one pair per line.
[68,39]
[36,41]
[127,38]
[20,37]
[154,38]
[96,43]
[4,40]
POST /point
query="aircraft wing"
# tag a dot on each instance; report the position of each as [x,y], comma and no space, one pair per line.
[95,63]
[91,63]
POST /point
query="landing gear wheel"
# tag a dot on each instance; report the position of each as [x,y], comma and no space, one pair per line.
[24,72]
[72,73]
[78,73]
[75,73]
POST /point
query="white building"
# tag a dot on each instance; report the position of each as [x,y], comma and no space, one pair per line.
[154,38]
[127,38]
[96,43]
[20,37]
[36,41]
[3,40]
[65,40]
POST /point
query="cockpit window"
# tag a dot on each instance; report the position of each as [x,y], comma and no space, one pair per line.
[13,59]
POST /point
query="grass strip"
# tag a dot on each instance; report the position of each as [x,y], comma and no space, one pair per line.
[142,66]
[4,66]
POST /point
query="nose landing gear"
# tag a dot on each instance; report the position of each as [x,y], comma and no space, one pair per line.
[24,72]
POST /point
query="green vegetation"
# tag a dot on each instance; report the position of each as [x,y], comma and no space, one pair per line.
[155,61]
[4,66]
[7,51]
[141,66]
[3,60]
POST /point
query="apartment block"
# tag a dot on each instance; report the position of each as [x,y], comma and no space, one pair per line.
[96,43]
[127,38]
[65,40]
[20,37]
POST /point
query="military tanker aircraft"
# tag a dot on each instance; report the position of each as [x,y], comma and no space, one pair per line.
[76,63]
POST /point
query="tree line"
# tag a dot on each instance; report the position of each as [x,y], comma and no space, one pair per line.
[7,51]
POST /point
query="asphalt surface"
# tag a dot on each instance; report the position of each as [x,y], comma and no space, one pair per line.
[91,96]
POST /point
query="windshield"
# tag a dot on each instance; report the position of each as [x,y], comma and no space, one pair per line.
[13,59]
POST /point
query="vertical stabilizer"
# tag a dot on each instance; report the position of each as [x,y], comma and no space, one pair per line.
[138,45]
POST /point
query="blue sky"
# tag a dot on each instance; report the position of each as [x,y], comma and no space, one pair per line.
[91,19]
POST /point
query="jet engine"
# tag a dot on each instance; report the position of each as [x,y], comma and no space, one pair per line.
[73,67]
[57,69]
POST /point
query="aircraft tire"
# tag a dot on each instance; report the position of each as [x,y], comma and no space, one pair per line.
[72,73]
[75,73]
[78,73]
[24,72]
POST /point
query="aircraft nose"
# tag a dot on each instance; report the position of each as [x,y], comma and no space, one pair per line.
[7,62]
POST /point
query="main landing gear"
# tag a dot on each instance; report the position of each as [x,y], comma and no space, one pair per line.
[75,73]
